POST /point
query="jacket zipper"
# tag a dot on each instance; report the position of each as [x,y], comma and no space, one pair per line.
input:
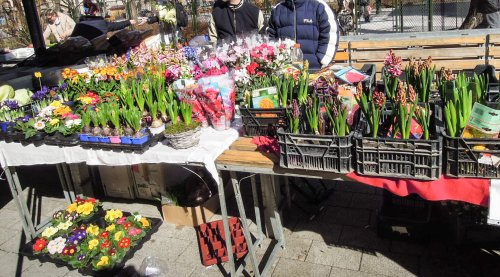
[234,21]
[295,20]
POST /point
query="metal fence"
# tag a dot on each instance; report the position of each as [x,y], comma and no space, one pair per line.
[415,16]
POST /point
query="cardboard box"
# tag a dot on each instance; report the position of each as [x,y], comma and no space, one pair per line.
[191,216]
[150,181]
[117,181]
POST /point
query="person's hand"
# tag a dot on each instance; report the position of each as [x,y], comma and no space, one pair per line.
[142,20]
[133,22]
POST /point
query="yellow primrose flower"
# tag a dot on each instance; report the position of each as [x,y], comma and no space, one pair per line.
[85,209]
[93,230]
[65,225]
[56,104]
[104,261]
[110,228]
[118,235]
[54,121]
[85,99]
[63,110]
[145,222]
[93,243]
[112,215]
[49,232]
[71,208]
[38,74]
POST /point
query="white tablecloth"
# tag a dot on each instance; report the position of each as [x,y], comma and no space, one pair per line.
[212,144]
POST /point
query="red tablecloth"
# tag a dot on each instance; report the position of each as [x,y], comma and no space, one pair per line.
[474,191]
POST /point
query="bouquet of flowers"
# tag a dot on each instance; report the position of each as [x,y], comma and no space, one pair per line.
[217,97]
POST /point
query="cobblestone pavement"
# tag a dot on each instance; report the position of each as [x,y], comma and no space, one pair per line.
[341,241]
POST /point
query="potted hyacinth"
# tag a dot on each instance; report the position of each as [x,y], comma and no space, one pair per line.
[113,112]
[133,133]
[184,132]
[94,118]
[86,130]
[102,131]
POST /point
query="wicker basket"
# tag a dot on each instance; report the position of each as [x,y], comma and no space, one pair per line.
[184,140]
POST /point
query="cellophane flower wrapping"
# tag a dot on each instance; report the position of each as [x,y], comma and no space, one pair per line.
[186,91]
[217,96]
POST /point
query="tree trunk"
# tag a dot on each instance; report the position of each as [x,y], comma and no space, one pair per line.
[473,18]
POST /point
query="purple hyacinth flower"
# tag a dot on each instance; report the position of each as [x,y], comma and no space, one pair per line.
[63,86]
[11,104]
[189,53]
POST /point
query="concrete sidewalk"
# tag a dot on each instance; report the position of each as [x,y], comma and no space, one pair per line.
[342,241]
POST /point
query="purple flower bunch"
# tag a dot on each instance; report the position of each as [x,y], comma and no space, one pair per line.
[81,257]
[40,94]
[77,237]
[11,104]
[24,119]
[190,53]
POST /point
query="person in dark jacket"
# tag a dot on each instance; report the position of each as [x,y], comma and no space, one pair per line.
[312,24]
[491,11]
[233,17]
[91,27]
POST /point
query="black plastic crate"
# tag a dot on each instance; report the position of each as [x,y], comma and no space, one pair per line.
[463,156]
[263,122]
[316,152]
[400,158]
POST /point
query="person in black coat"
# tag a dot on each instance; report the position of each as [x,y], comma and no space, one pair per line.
[491,11]
[233,17]
[91,27]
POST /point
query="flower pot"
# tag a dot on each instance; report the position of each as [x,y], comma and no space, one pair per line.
[115,139]
[184,140]
[84,137]
[125,140]
[104,139]
[140,140]
[92,138]
[157,130]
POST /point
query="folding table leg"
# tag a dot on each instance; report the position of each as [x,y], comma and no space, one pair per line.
[223,210]
[244,222]
[17,194]
[260,235]
[65,180]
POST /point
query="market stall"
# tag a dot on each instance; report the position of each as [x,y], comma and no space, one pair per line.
[412,133]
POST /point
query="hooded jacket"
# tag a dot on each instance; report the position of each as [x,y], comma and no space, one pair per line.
[312,24]
[230,20]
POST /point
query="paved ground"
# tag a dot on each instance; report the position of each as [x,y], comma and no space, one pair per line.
[341,242]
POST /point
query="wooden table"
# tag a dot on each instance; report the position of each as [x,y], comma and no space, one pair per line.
[243,156]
